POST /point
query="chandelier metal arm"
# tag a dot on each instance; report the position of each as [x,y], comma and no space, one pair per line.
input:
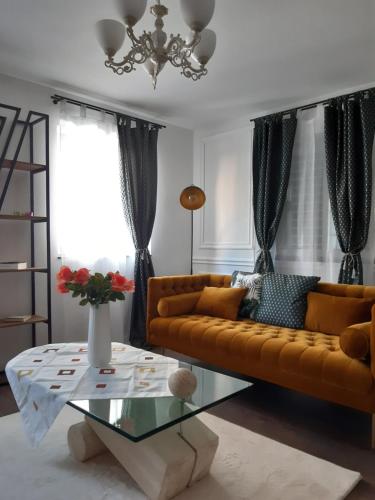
[137,55]
[145,39]
[188,70]
[177,44]
[142,49]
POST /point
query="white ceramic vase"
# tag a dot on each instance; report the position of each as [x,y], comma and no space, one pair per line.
[99,336]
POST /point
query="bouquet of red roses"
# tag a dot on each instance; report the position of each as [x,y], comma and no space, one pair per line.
[95,288]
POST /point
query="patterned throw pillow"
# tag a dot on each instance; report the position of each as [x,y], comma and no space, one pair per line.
[253,283]
[284,299]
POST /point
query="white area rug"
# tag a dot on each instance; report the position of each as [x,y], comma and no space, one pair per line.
[247,467]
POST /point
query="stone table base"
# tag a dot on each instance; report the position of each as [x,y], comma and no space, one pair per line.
[163,465]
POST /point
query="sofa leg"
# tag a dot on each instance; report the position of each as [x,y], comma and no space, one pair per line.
[373,431]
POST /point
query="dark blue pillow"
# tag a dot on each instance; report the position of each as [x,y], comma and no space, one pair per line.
[283,300]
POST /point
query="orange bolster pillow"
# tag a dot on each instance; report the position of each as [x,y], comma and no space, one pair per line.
[355,340]
[176,305]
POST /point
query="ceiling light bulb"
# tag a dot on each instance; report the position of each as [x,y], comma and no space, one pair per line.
[131,10]
[110,35]
[197,13]
[206,47]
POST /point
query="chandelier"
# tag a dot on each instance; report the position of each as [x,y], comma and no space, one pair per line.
[154,50]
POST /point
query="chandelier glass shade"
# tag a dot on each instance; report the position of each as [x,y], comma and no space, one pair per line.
[153,49]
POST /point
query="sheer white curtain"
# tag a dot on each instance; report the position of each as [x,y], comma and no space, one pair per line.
[91,229]
[306,242]
[368,254]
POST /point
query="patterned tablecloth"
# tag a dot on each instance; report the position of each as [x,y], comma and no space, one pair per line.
[44,378]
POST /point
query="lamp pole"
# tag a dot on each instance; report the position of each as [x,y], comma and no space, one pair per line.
[191,242]
[192,198]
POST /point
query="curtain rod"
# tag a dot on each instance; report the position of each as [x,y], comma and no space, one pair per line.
[58,98]
[314,104]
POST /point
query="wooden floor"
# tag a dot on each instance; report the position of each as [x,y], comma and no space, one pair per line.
[325,430]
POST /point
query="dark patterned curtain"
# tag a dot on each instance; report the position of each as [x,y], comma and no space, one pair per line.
[138,149]
[349,134]
[272,154]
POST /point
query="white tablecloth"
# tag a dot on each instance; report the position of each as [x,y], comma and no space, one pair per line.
[44,378]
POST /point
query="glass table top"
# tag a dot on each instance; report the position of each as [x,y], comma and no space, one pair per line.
[141,417]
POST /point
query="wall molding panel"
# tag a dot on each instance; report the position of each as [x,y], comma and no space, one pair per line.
[224,227]
[225,262]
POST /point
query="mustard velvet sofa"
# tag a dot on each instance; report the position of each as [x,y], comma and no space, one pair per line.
[306,361]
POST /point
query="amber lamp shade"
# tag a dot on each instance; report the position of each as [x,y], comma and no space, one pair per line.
[192,198]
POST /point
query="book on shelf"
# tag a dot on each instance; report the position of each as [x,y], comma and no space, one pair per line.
[13,265]
[20,317]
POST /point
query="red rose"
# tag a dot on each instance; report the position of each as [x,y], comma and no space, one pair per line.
[129,286]
[82,276]
[118,282]
[65,274]
[61,287]
[121,284]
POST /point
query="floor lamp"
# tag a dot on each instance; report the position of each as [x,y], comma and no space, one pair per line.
[192,198]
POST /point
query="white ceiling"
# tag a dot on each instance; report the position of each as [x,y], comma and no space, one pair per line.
[270,54]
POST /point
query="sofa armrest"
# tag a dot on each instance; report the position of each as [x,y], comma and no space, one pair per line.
[166,286]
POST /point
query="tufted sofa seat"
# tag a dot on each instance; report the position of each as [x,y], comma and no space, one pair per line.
[311,362]
[248,344]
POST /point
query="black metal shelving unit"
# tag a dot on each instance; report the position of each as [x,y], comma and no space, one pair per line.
[10,165]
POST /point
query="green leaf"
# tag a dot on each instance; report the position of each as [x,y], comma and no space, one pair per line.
[76,293]
[83,302]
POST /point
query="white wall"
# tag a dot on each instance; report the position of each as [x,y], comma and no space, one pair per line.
[224,238]
[171,237]
[170,242]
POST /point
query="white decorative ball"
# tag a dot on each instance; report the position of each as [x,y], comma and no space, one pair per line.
[182,383]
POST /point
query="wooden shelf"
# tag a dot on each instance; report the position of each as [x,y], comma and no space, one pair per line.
[23,217]
[34,319]
[27,270]
[27,136]
[24,166]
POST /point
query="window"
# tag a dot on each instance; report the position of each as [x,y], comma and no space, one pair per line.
[306,241]
[91,228]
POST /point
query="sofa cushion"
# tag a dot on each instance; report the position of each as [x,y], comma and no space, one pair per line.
[253,348]
[220,302]
[330,314]
[253,283]
[283,299]
[174,305]
[355,340]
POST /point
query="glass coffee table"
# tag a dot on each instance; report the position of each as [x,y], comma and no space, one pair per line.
[158,440]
